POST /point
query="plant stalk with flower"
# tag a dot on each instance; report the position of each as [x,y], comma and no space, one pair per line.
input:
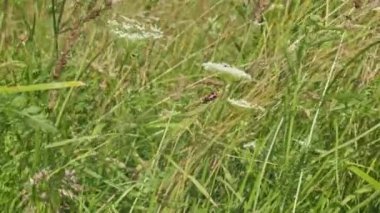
[230,75]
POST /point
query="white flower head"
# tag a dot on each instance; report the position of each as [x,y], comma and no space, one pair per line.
[243,104]
[251,144]
[276,6]
[240,103]
[302,143]
[227,71]
[134,30]
[293,46]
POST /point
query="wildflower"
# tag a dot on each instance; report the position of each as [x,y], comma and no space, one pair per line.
[301,142]
[70,183]
[293,46]
[227,71]
[276,6]
[243,104]
[39,177]
[134,30]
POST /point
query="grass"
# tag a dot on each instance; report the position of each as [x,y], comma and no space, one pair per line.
[139,135]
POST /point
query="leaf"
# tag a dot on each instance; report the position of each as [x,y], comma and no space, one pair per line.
[374,183]
[36,121]
[20,101]
[32,110]
[39,122]
[40,87]
[77,141]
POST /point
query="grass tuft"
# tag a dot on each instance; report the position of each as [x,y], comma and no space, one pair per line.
[286,121]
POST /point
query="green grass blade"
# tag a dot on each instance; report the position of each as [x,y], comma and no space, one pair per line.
[374,183]
[40,87]
[194,181]
[77,141]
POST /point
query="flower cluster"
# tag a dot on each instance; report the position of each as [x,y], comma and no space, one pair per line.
[40,187]
[134,30]
[228,71]
[232,74]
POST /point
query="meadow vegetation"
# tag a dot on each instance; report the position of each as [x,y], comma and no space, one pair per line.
[110,106]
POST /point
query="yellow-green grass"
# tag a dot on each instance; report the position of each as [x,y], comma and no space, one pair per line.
[140,137]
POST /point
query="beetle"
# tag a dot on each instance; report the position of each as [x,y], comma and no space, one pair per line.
[212,96]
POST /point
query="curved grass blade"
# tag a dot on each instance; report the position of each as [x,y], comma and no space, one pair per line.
[374,183]
[201,188]
[40,87]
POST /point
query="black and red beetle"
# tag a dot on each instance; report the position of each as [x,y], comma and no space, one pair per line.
[212,96]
